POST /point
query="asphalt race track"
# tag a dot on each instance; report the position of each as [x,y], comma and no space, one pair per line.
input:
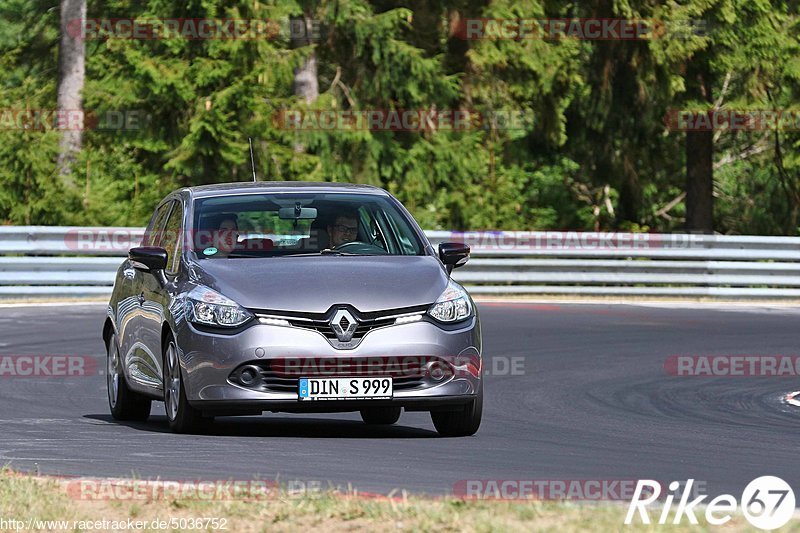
[590,400]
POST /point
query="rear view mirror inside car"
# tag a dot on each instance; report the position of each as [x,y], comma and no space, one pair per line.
[297,213]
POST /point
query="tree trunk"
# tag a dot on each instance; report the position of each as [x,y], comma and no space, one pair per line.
[700,160]
[71,73]
[305,80]
[699,181]
[306,84]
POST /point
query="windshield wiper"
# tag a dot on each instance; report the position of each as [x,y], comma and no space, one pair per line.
[326,251]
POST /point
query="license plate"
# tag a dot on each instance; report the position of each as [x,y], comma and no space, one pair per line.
[344,388]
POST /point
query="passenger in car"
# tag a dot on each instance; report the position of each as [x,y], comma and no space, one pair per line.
[226,236]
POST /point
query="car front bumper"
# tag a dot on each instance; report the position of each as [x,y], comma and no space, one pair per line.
[209,359]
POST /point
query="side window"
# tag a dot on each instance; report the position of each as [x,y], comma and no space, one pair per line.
[172,240]
[152,234]
[403,237]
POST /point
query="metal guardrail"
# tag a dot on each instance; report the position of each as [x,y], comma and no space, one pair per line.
[44,261]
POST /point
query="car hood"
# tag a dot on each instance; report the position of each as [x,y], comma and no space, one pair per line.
[313,284]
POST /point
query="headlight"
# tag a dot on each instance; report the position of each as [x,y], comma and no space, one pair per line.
[210,308]
[453,305]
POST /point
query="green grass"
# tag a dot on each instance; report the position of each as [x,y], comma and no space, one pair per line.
[23,497]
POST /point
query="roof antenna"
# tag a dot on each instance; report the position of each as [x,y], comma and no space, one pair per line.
[252,159]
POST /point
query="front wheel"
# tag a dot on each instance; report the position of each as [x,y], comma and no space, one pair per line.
[125,404]
[183,418]
[380,415]
[463,422]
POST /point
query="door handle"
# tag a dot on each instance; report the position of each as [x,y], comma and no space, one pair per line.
[141,298]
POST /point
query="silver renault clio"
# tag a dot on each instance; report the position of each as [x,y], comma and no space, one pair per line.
[292,297]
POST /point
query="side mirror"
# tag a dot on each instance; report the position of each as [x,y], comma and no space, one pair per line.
[148,258]
[453,254]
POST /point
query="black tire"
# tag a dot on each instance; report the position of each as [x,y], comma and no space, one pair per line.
[385,416]
[125,404]
[182,417]
[462,422]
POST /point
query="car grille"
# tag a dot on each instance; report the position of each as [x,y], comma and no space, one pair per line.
[282,375]
[321,322]
[323,326]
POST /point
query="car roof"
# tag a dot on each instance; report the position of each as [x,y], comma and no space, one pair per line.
[222,189]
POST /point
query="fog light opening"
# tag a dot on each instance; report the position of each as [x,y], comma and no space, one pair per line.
[248,376]
[436,372]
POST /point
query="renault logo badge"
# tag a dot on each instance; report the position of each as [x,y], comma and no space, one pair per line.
[344,325]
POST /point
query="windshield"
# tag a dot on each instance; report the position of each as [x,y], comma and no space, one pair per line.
[274,225]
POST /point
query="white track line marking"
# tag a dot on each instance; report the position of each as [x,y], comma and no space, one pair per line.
[791,398]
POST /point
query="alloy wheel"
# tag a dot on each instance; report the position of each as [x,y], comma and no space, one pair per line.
[173,382]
